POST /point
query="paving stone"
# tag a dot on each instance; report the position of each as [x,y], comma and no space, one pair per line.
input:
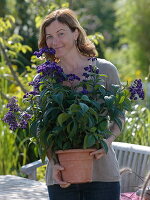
[18,188]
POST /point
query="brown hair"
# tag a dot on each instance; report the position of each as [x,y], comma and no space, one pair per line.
[68,17]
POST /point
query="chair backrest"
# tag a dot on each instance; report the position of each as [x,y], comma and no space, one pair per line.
[137,158]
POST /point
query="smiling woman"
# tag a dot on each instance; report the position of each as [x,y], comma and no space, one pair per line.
[60,37]
[67,27]
[75,53]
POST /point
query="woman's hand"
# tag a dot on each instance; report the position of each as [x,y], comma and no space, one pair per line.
[101,152]
[98,154]
[58,177]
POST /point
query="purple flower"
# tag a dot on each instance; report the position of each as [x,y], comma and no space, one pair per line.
[97,71]
[89,68]
[31,93]
[86,68]
[44,50]
[26,116]
[136,90]
[84,91]
[72,77]
[23,124]
[36,83]
[52,70]
[92,58]
[10,119]
[86,75]
[12,105]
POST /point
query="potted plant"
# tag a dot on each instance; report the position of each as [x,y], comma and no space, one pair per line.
[71,116]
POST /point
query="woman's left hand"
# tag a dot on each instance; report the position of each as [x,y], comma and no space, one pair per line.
[98,154]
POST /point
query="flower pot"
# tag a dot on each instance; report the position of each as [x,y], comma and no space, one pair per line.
[78,165]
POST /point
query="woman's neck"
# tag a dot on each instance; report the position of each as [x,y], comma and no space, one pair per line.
[73,63]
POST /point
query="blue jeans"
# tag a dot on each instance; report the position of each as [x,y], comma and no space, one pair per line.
[86,191]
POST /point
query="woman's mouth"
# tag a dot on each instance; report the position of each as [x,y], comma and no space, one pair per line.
[58,48]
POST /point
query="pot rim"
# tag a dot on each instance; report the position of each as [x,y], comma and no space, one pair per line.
[75,150]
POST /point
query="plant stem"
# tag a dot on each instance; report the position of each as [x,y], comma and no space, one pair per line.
[11,69]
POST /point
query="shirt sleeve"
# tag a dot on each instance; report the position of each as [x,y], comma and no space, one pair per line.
[111,72]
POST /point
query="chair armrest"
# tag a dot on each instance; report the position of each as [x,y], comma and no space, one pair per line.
[30,169]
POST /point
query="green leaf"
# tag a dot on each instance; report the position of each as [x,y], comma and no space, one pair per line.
[49,138]
[96,104]
[102,90]
[118,122]
[47,112]
[33,128]
[58,98]
[89,141]
[43,93]
[62,118]
[104,145]
[85,98]
[74,108]
[122,99]
[85,142]
[109,100]
[50,114]
[93,112]
[103,125]
[91,122]
[73,131]
[115,88]
[69,127]
[67,145]
[93,129]
[84,107]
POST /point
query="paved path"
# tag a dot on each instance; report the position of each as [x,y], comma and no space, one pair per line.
[15,187]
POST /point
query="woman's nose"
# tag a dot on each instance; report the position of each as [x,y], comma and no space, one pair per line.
[55,42]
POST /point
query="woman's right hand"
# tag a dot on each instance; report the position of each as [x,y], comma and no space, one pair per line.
[58,177]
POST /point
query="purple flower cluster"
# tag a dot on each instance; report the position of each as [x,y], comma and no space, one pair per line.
[36,83]
[90,68]
[84,91]
[136,90]
[12,105]
[31,93]
[86,75]
[10,119]
[52,70]
[24,120]
[72,77]
[92,58]
[44,50]
[14,117]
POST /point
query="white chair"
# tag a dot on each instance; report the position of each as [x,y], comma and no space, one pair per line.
[137,158]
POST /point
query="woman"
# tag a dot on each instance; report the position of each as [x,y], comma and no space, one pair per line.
[61,31]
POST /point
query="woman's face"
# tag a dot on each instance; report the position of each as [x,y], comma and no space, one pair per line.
[61,38]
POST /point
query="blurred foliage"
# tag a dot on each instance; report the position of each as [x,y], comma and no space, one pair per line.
[14,147]
[101,18]
[133,25]
[41,173]
[137,127]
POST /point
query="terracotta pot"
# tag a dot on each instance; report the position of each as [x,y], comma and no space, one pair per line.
[78,165]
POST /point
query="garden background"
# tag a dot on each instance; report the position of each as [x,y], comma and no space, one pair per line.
[120,30]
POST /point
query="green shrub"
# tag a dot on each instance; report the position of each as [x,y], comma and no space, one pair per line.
[137,127]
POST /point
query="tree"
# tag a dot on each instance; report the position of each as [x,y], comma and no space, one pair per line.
[134,26]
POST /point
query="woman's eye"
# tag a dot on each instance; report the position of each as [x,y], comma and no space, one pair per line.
[49,37]
[61,34]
